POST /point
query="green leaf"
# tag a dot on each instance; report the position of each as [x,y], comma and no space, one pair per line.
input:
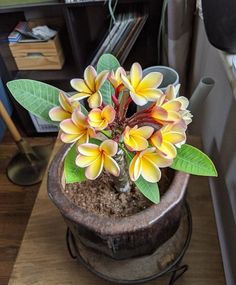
[107,62]
[36,97]
[149,190]
[73,173]
[191,160]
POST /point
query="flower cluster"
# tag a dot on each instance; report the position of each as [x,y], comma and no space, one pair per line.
[150,136]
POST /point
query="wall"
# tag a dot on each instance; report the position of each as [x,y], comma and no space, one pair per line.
[216,125]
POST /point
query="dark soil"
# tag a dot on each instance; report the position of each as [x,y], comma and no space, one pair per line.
[99,197]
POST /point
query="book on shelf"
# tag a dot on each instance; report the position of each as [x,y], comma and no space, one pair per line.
[121,37]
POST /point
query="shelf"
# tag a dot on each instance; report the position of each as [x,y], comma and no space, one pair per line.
[66,73]
[84,27]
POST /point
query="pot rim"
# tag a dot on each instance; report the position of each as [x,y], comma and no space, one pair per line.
[111,225]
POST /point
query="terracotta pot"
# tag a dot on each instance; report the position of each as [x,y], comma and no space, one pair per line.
[120,238]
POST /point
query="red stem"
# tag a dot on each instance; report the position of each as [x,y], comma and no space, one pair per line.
[129,100]
[138,122]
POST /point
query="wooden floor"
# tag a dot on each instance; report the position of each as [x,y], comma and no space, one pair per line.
[15,207]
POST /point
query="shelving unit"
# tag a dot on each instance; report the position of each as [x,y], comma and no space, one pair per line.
[84,26]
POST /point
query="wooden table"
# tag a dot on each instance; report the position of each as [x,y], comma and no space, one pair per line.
[43,258]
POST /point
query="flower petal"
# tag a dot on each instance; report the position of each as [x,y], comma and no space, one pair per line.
[94,169]
[158,159]
[126,82]
[150,171]
[138,100]
[79,119]
[100,79]
[111,165]
[145,131]
[68,138]
[95,100]
[174,137]
[136,143]
[84,161]
[95,115]
[89,75]
[135,74]
[150,94]
[84,138]
[159,113]
[79,96]
[184,102]
[135,168]
[65,102]
[151,80]
[69,127]
[89,149]
[80,86]
[108,113]
[172,106]
[110,147]
[156,139]
[170,92]
[168,149]
[173,116]
[58,114]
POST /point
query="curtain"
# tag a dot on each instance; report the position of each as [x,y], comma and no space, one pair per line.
[175,35]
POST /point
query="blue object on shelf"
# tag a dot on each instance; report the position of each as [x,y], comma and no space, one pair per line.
[6,103]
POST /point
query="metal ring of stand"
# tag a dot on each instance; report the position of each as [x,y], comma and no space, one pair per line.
[175,269]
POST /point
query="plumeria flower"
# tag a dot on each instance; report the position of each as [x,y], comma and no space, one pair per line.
[171,94]
[89,86]
[64,111]
[136,139]
[186,116]
[95,158]
[147,163]
[166,112]
[99,119]
[115,78]
[76,129]
[142,90]
[167,138]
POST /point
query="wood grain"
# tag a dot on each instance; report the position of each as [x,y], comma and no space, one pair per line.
[38,55]
[16,203]
[43,257]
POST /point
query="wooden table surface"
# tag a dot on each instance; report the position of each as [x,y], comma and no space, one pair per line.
[43,258]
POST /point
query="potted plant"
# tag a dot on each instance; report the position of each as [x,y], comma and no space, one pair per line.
[105,179]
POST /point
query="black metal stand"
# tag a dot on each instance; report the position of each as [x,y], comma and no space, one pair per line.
[175,269]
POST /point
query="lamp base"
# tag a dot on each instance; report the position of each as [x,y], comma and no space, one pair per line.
[26,170]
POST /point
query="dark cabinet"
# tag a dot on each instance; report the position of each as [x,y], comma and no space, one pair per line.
[84,26]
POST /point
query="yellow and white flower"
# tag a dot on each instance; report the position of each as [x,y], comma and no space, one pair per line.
[99,119]
[167,138]
[174,111]
[166,112]
[136,139]
[64,111]
[147,163]
[115,77]
[76,129]
[95,158]
[142,90]
[89,86]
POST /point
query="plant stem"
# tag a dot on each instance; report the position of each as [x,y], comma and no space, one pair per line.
[122,182]
[105,134]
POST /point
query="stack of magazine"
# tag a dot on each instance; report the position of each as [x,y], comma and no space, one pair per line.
[121,37]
